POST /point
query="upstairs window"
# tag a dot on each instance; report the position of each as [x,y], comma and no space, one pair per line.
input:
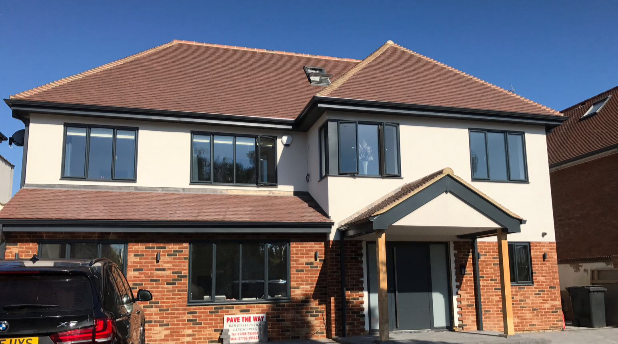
[233,159]
[359,149]
[595,108]
[100,153]
[498,156]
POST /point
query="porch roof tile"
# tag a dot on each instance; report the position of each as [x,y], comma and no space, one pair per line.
[64,204]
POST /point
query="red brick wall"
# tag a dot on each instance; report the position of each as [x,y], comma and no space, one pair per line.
[169,316]
[355,316]
[584,201]
[535,308]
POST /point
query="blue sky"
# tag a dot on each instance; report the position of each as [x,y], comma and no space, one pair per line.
[554,52]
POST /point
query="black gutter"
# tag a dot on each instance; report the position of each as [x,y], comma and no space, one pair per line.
[344,326]
[146,114]
[477,287]
[316,107]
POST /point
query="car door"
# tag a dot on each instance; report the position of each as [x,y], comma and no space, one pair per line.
[131,308]
[115,304]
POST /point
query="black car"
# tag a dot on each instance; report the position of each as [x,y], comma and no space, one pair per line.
[47,301]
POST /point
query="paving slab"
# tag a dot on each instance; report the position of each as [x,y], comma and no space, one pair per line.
[444,337]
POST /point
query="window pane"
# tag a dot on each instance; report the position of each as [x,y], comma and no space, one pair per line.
[322,143]
[53,251]
[268,160]
[223,164]
[517,167]
[124,166]
[100,154]
[84,250]
[391,150]
[201,158]
[115,253]
[228,256]
[347,148]
[201,272]
[252,271]
[278,270]
[512,264]
[478,155]
[245,160]
[523,263]
[368,150]
[75,153]
[497,156]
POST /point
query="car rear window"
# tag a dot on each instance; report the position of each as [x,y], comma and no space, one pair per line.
[25,292]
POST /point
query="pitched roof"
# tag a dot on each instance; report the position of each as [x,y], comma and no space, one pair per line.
[404,192]
[205,78]
[197,78]
[398,75]
[579,136]
[94,205]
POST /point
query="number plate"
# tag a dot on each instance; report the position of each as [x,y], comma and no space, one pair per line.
[28,340]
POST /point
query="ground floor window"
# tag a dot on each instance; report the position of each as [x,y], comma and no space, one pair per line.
[236,272]
[115,251]
[520,263]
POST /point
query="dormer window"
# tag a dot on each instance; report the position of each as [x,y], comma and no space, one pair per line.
[595,108]
[317,76]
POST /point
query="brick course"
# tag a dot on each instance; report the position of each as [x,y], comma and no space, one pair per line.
[315,307]
[169,316]
[584,201]
[535,308]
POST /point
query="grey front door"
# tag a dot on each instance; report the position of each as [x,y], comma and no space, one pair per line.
[417,285]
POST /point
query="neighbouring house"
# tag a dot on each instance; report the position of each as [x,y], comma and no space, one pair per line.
[583,162]
[232,180]
[6,181]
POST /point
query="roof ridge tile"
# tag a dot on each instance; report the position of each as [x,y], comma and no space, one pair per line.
[213,45]
[557,113]
[106,66]
[355,69]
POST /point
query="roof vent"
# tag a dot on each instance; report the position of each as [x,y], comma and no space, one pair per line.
[317,76]
[595,108]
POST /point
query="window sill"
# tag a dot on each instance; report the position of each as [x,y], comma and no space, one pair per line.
[527,284]
[501,181]
[232,184]
[360,176]
[100,180]
[228,303]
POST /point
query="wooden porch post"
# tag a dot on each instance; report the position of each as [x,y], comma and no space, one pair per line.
[505,283]
[382,284]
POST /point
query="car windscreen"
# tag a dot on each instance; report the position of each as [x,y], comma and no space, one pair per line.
[44,293]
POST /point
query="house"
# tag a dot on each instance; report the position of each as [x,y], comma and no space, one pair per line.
[6,180]
[232,180]
[583,161]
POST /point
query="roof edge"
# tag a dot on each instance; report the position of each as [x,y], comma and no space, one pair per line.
[590,98]
[546,108]
[36,90]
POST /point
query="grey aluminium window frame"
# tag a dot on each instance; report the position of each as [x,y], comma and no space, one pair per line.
[381,149]
[516,281]
[88,127]
[323,150]
[506,149]
[212,152]
[213,291]
[87,241]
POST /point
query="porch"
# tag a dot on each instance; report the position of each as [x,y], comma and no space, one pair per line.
[408,237]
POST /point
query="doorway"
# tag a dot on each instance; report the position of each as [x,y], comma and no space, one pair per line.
[418,286]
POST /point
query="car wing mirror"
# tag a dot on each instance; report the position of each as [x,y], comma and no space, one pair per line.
[144,295]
